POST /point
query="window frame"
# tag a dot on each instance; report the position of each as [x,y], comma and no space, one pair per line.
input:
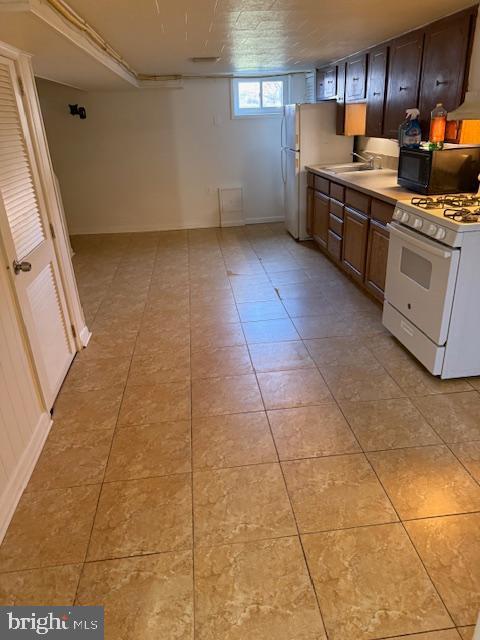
[262,112]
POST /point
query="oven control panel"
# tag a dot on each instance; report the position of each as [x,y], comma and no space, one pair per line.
[426,227]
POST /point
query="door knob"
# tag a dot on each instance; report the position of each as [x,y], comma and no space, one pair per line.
[21,266]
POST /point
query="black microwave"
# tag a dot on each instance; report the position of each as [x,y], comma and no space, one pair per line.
[450,170]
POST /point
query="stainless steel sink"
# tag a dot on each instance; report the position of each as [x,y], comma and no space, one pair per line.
[352,166]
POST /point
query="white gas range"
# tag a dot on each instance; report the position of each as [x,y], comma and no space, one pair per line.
[432,292]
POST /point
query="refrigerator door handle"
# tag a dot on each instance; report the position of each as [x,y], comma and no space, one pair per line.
[282,159]
[282,129]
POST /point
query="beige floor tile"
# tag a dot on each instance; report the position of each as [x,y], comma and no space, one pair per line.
[292,276]
[285,389]
[310,432]
[335,493]
[216,335]
[150,404]
[176,337]
[232,440]
[280,356]
[255,293]
[360,382]
[450,550]
[339,324]
[138,517]
[49,528]
[255,311]
[454,416]
[340,351]
[257,590]
[237,505]
[220,396]
[469,455]
[172,365]
[71,460]
[446,634]
[112,342]
[88,410]
[152,450]
[388,424]
[204,316]
[148,598]
[52,586]
[269,331]
[371,584]
[221,362]
[475,382]
[426,481]
[307,307]
[466,633]
[87,374]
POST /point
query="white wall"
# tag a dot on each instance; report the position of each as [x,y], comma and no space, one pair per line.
[153,159]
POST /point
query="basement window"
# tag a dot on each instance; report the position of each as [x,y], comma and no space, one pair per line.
[259,96]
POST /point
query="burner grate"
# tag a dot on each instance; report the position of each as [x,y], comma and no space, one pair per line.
[462,215]
[456,201]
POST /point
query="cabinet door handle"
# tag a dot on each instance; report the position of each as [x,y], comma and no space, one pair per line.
[330,81]
[441,82]
[377,93]
[355,79]
[403,88]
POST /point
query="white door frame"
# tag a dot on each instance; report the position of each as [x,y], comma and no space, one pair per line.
[53,201]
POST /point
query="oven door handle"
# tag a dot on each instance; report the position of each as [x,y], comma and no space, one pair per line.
[425,246]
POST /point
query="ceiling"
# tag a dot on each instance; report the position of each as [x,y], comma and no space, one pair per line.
[161,36]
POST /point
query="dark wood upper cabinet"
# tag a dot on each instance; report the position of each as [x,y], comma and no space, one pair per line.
[320,85]
[403,79]
[327,83]
[376,90]
[445,54]
[356,78]
[341,78]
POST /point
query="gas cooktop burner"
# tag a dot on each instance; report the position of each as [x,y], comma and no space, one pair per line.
[462,215]
[457,201]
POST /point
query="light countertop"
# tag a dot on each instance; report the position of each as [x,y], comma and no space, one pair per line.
[379,183]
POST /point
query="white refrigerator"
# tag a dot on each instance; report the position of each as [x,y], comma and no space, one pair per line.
[307,137]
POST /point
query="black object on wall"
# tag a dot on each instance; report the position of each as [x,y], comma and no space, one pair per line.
[75,110]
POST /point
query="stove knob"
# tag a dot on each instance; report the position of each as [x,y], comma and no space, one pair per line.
[405,217]
[397,214]
[417,223]
[441,233]
[432,229]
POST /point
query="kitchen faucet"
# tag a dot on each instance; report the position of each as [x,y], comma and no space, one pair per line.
[370,160]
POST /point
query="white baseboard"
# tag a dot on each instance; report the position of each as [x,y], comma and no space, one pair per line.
[265,220]
[19,480]
[85,335]
[85,231]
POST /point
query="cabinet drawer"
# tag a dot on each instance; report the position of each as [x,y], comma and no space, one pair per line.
[322,184]
[357,200]
[336,225]
[334,245]
[337,191]
[382,211]
[336,208]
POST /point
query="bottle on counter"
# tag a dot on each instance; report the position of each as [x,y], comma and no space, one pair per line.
[410,132]
[438,125]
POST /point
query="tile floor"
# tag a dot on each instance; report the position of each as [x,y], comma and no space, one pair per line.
[243,453]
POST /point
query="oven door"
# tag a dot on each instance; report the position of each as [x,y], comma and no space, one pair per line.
[421,276]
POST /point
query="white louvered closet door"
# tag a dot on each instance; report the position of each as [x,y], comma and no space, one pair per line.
[28,244]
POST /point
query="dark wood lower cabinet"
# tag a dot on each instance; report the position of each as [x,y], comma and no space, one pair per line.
[355,239]
[352,232]
[310,196]
[377,255]
[321,215]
